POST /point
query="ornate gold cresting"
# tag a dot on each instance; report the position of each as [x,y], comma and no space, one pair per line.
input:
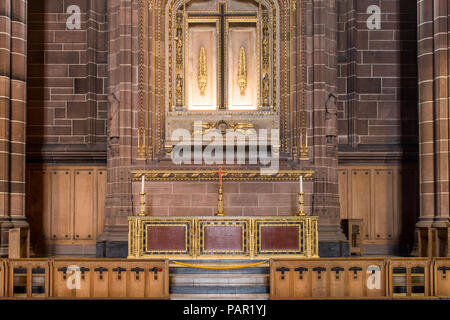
[220,212]
[227,175]
[202,75]
[242,71]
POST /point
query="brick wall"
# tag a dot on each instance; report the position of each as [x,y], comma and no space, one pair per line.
[377,75]
[67,75]
[240,198]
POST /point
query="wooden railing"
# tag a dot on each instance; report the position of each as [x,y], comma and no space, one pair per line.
[359,278]
[355,278]
[84,278]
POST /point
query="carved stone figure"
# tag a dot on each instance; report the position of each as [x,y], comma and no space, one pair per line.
[114,127]
[331,119]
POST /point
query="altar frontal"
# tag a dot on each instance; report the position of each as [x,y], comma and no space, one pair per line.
[222,236]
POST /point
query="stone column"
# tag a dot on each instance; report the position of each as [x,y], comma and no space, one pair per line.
[123,25]
[434,70]
[332,241]
[13,53]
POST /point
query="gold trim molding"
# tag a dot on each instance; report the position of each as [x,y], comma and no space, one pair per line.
[213,175]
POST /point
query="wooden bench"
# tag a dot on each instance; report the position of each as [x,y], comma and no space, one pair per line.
[110,278]
[328,278]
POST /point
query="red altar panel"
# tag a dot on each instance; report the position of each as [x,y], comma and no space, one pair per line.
[166,238]
[280,238]
[223,238]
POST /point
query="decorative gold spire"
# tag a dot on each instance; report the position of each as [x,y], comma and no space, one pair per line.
[242,71]
[202,75]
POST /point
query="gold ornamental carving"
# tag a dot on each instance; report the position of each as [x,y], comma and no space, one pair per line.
[265,89]
[179,90]
[179,41]
[222,126]
[265,41]
[251,240]
[242,71]
[213,175]
[202,71]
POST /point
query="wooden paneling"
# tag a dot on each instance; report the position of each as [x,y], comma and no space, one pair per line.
[65,204]
[101,200]
[385,197]
[85,204]
[343,192]
[361,198]
[384,208]
[61,212]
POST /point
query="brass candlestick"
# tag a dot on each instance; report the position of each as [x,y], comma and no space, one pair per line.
[142,212]
[220,212]
[301,203]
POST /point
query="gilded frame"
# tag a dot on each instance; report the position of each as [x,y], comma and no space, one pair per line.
[153,67]
[224,222]
[250,238]
[302,236]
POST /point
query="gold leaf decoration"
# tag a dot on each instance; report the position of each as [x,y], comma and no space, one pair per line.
[202,75]
[242,71]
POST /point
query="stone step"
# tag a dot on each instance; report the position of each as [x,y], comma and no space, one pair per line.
[191,283]
[227,289]
[219,280]
[188,270]
[180,296]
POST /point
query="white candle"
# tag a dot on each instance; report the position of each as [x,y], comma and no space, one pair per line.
[142,184]
[301,183]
